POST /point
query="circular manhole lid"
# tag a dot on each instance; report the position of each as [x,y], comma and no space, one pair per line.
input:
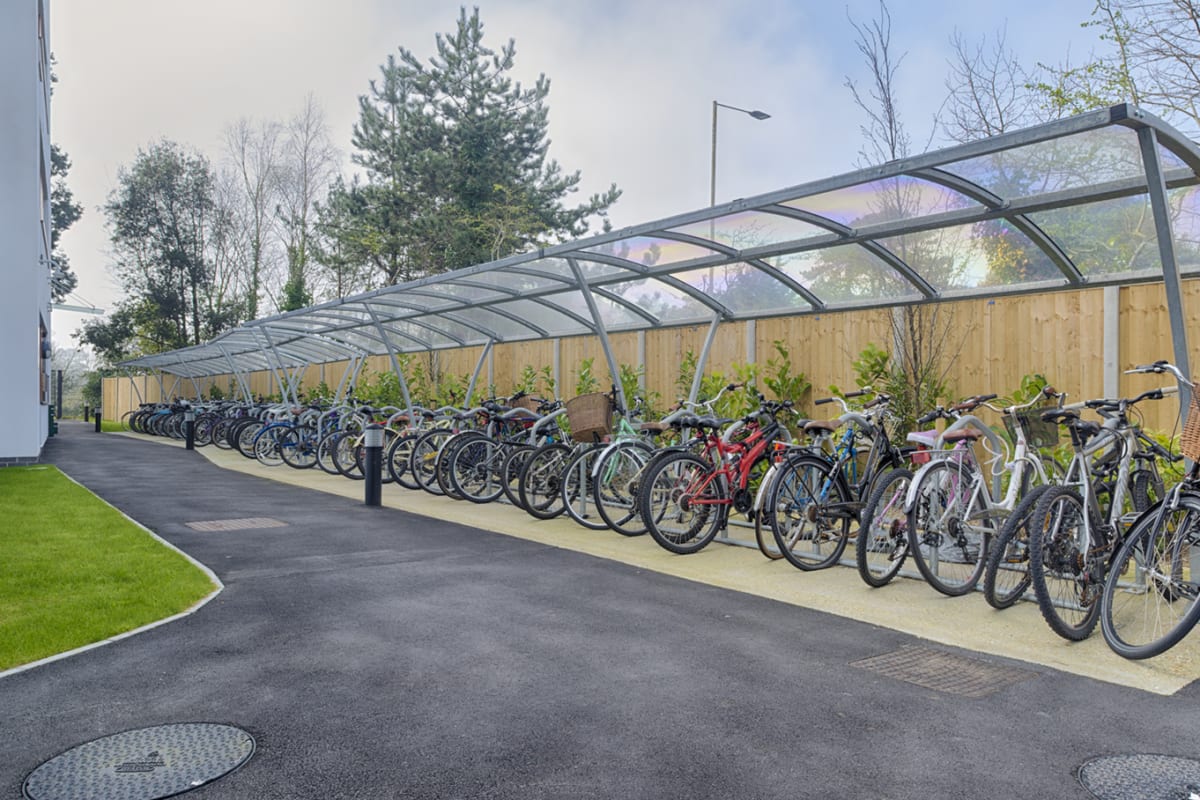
[142,764]
[1142,777]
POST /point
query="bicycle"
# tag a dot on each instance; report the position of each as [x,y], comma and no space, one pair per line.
[685,498]
[1122,460]
[1151,595]
[953,508]
[816,492]
[1071,540]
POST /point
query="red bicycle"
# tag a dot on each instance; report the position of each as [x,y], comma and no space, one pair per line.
[686,498]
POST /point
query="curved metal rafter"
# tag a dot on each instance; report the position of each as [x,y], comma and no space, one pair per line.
[647,272]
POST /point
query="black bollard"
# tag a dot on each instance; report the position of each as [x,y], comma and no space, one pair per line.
[99,416]
[189,428]
[373,464]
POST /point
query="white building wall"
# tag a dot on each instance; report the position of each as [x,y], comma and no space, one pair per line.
[24,228]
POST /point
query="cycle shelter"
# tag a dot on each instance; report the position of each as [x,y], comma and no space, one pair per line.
[1105,198]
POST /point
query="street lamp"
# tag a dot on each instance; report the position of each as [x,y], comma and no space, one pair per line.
[759,115]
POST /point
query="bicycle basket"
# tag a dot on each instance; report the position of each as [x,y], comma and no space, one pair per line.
[1189,442]
[590,416]
[527,402]
[1038,433]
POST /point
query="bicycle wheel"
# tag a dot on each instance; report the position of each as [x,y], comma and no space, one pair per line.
[1151,598]
[244,443]
[1006,578]
[576,489]
[475,470]
[266,447]
[882,542]
[680,502]
[541,479]
[615,484]
[514,463]
[445,457]
[1068,584]
[397,460]
[345,456]
[1145,489]
[298,447]
[423,463]
[946,538]
[764,537]
[808,511]
[325,448]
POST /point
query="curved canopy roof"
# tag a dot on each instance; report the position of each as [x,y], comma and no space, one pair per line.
[1073,203]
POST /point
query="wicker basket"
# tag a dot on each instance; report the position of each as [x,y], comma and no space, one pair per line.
[527,402]
[1189,442]
[590,416]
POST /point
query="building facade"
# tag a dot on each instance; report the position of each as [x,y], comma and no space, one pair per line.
[25,266]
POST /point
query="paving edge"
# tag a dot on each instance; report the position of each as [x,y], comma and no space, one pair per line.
[212,576]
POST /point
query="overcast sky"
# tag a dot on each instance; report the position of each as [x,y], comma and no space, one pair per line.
[632,84]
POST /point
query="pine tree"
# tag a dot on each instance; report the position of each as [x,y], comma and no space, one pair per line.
[456,168]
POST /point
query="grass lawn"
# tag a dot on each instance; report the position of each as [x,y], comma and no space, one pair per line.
[111,425]
[74,571]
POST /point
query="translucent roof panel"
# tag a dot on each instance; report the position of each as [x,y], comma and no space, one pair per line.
[991,253]
[1115,236]
[846,274]
[1105,154]
[652,251]
[1064,204]
[900,198]
[745,289]
[750,229]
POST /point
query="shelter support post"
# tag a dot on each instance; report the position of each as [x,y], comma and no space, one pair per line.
[408,404]
[1157,186]
[1112,341]
[243,384]
[601,333]
[487,349]
[703,360]
[277,368]
[136,390]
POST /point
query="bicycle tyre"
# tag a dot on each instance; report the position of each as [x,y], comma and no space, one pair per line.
[807,510]
[764,537]
[1140,623]
[541,479]
[298,447]
[882,542]
[1006,578]
[514,463]
[615,486]
[475,470]
[950,555]
[423,462]
[668,497]
[1068,588]
[576,489]
[397,459]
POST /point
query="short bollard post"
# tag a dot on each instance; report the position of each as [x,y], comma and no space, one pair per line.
[373,464]
[189,428]
[98,417]
[86,412]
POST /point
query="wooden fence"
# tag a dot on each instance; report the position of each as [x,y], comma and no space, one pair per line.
[1080,340]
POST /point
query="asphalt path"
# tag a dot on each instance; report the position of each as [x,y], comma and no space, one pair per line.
[374,654]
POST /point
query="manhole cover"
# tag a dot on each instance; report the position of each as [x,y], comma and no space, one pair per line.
[944,672]
[243,524]
[142,764]
[1142,777]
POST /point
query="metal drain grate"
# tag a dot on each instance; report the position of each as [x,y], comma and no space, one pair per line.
[244,524]
[944,672]
[1142,777]
[143,764]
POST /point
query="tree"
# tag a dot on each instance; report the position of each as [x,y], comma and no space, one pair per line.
[170,255]
[916,368]
[64,212]
[308,164]
[455,159]
[253,153]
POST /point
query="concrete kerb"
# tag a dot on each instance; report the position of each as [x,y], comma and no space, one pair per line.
[906,605]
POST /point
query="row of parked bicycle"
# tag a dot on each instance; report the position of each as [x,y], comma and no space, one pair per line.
[1098,540]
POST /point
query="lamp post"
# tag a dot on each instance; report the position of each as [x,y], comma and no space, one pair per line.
[759,115]
[712,194]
